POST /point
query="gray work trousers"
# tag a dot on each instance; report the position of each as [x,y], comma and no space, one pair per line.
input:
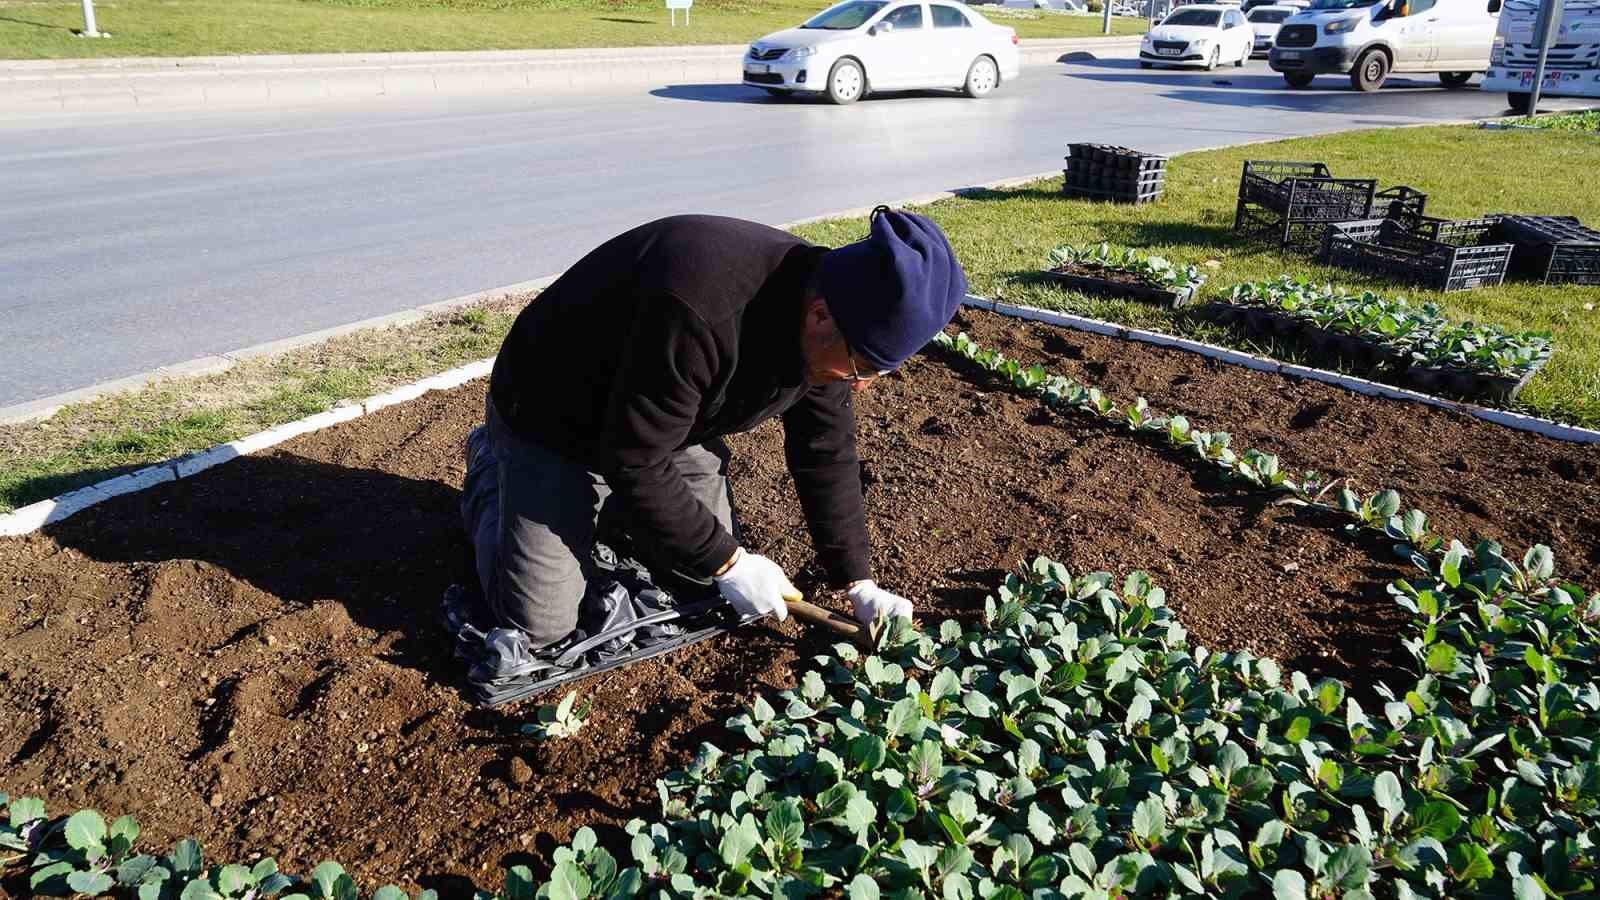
[532,514]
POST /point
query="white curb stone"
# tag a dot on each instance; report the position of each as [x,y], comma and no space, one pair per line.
[36,515]
[185,466]
[274,436]
[398,395]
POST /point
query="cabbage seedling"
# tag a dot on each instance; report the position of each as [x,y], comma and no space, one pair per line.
[560,720]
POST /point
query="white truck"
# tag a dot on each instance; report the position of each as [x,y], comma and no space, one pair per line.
[1572,68]
[1369,39]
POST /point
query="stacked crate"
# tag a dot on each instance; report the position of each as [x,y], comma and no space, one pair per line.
[1293,203]
[1551,249]
[1114,174]
[1441,254]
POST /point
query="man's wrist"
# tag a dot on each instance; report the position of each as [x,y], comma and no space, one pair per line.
[729,564]
[857,583]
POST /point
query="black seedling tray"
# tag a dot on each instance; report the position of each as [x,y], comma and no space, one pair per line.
[1372,357]
[1107,287]
[1091,175]
[1140,194]
[1109,156]
[1436,253]
[1551,249]
[1473,385]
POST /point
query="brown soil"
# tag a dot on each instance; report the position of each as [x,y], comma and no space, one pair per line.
[249,656]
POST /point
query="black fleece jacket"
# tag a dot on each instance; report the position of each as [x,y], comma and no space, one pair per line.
[672,334]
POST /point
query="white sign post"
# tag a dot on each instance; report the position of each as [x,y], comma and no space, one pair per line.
[89,29]
[1546,29]
[672,10]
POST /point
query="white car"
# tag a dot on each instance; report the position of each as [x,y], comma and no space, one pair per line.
[1201,34]
[881,45]
[1264,21]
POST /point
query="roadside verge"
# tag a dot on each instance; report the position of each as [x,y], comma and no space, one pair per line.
[242,82]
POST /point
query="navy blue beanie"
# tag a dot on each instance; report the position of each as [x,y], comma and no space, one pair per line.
[891,293]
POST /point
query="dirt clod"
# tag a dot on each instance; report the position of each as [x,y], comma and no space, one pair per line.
[521,773]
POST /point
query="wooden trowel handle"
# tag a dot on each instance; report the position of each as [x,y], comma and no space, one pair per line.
[839,624]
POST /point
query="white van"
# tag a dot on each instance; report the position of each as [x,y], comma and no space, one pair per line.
[1573,67]
[1369,40]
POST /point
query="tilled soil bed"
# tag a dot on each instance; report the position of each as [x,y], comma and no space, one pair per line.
[249,656]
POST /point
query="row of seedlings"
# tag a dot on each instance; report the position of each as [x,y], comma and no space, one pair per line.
[1417,345]
[1124,272]
[1420,345]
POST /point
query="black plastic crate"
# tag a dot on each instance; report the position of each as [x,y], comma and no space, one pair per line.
[1293,203]
[1400,202]
[1435,253]
[1551,249]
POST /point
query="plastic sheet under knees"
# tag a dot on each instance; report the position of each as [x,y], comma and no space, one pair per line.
[625,618]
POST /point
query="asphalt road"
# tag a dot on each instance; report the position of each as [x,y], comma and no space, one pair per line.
[133,241]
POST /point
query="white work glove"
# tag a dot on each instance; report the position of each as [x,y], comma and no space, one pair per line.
[756,585]
[872,603]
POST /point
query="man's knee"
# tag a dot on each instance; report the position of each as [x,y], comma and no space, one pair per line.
[540,598]
[704,469]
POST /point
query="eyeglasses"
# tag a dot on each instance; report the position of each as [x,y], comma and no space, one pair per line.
[855,376]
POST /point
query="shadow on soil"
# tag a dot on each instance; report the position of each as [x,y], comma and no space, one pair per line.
[384,545]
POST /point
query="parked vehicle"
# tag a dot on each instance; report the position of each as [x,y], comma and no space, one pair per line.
[1080,6]
[1297,4]
[1369,41]
[864,45]
[1571,70]
[1264,21]
[1199,35]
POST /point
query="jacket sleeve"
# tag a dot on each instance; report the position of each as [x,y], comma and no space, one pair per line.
[819,444]
[670,361]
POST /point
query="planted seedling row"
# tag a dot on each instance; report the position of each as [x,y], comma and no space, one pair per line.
[1425,348]
[1076,744]
[1417,343]
[1124,272]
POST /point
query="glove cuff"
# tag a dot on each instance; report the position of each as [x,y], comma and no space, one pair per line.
[727,570]
[861,588]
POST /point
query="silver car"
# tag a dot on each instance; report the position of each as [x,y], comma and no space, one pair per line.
[882,45]
[1264,22]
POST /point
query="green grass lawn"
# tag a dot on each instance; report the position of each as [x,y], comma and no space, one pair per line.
[44,29]
[1003,237]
